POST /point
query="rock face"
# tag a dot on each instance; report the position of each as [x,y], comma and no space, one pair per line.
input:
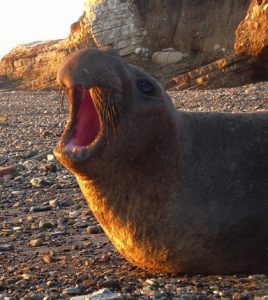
[165,37]
[252,33]
[248,63]
[251,37]
[230,71]
[35,65]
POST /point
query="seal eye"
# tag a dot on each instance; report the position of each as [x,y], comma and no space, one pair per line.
[145,86]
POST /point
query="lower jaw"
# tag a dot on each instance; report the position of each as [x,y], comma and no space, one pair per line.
[76,154]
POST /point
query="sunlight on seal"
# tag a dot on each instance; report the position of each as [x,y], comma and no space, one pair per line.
[176,192]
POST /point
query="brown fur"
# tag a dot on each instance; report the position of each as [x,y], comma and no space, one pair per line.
[160,202]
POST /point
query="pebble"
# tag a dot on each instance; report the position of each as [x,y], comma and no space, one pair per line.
[187,297]
[45,224]
[39,208]
[16,205]
[57,233]
[113,284]
[72,290]
[17,228]
[29,218]
[6,247]
[151,282]
[89,282]
[94,229]
[35,243]
[28,276]
[18,193]
[66,202]
[83,297]
[50,157]
[48,167]
[148,291]
[34,296]
[54,203]
[47,258]
[105,294]
[36,182]
[74,214]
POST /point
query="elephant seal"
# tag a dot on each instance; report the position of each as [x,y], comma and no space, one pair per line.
[175,191]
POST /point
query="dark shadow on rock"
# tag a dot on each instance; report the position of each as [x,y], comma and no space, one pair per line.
[7,83]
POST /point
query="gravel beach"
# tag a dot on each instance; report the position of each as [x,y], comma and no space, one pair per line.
[51,246]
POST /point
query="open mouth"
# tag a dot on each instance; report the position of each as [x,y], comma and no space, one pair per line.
[84,125]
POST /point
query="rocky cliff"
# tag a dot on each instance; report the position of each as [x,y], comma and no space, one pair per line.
[165,37]
[248,63]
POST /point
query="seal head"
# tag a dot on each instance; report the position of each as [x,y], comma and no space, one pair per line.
[103,94]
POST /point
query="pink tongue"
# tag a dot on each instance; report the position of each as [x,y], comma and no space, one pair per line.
[87,125]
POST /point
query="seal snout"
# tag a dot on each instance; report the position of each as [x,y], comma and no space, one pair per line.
[83,128]
[94,91]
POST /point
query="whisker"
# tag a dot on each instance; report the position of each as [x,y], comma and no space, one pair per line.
[62,92]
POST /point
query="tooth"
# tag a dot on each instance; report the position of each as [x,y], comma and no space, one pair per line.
[85,70]
[75,150]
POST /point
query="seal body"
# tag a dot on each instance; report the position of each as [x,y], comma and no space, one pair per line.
[176,192]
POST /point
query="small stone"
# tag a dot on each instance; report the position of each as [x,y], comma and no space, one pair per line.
[50,283]
[83,297]
[170,287]
[6,247]
[50,157]
[26,276]
[17,228]
[39,208]
[113,284]
[72,290]
[74,214]
[148,291]
[47,258]
[54,203]
[45,224]
[16,205]
[34,296]
[66,202]
[17,193]
[48,167]
[105,294]
[36,182]
[29,218]
[35,243]
[187,297]
[151,282]
[89,282]
[57,233]
[94,229]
